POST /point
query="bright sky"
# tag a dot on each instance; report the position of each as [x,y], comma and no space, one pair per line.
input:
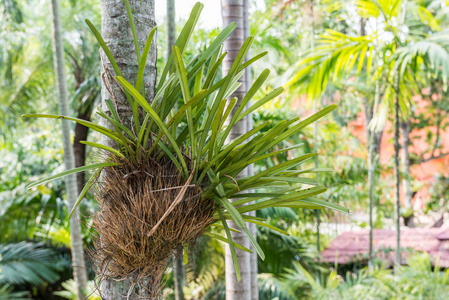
[210,16]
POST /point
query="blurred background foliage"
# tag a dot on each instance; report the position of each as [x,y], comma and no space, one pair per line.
[34,237]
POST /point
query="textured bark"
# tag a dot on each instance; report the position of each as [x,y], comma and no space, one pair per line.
[407,180]
[232,11]
[117,34]
[249,126]
[171,25]
[374,140]
[180,277]
[397,174]
[315,125]
[79,150]
[79,270]
[178,268]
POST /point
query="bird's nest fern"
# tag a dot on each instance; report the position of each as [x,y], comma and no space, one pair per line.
[169,179]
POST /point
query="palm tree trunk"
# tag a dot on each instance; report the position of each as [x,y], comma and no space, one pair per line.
[232,11]
[79,150]
[374,139]
[171,25]
[407,180]
[178,268]
[397,174]
[249,125]
[315,128]
[180,277]
[79,269]
[117,34]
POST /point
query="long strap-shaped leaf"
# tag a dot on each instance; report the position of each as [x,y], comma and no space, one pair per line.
[237,217]
[107,52]
[103,130]
[232,72]
[231,244]
[142,64]
[249,95]
[298,195]
[183,38]
[147,107]
[276,169]
[87,186]
[301,125]
[69,172]
[103,147]
[230,147]
[223,239]
[181,71]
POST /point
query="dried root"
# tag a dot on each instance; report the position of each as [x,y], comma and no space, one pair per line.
[132,201]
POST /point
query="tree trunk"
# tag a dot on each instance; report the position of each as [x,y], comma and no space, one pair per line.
[407,180]
[397,174]
[232,11]
[117,35]
[373,144]
[249,125]
[171,25]
[178,265]
[79,150]
[315,128]
[79,269]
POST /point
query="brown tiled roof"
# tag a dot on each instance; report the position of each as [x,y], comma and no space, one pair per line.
[353,246]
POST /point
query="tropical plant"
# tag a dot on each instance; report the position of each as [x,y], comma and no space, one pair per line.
[71,291]
[79,273]
[191,168]
[392,64]
[6,291]
[27,263]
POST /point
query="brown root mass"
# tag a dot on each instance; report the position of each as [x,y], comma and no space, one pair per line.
[132,201]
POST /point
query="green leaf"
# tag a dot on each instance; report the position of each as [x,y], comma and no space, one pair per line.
[270,96]
[223,239]
[143,61]
[228,79]
[231,245]
[105,48]
[273,202]
[87,186]
[268,226]
[147,107]
[181,71]
[69,172]
[237,217]
[103,130]
[100,146]
[183,38]
[133,29]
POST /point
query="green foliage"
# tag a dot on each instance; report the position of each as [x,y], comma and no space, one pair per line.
[27,263]
[415,281]
[71,290]
[213,163]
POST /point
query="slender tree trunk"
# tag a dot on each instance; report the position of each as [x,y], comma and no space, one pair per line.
[232,11]
[178,265]
[315,127]
[79,270]
[249,125]
[374,139]
[407,180]
[171,25]
[117,34]
[397,174]
[79,150]
[180,277]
